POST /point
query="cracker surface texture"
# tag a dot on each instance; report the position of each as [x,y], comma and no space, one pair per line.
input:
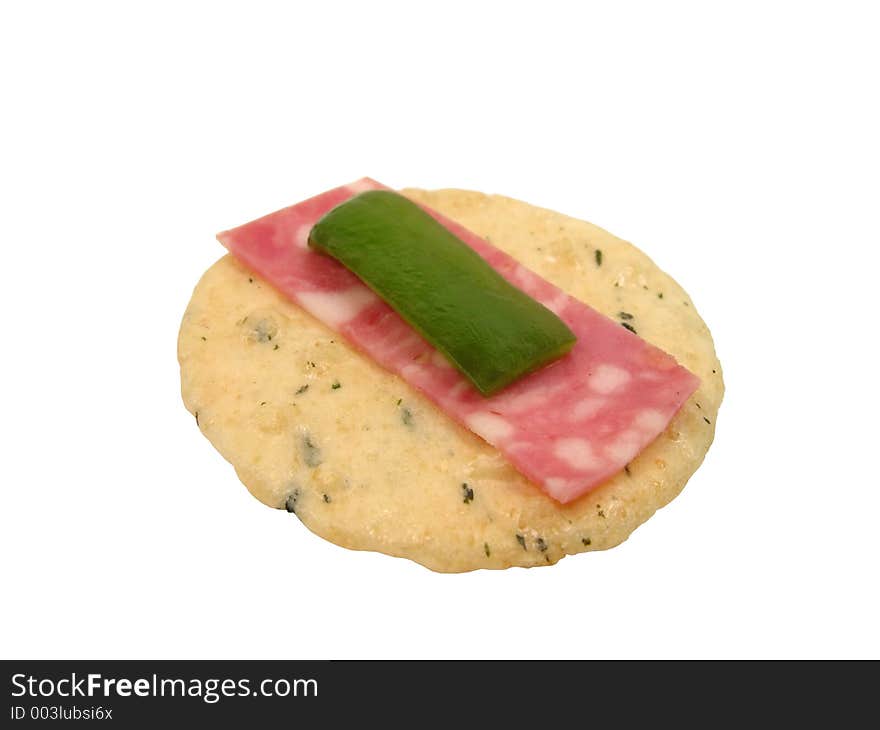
[363,460]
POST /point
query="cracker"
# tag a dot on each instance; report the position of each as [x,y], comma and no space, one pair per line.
[365,461]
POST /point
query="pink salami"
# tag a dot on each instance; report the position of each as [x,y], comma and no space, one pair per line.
[567,427]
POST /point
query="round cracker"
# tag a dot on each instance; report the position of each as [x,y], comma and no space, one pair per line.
[368,463]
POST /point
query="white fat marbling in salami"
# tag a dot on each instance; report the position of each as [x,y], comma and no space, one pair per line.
[567,427]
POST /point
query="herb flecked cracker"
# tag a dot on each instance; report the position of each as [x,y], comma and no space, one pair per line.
[363,460]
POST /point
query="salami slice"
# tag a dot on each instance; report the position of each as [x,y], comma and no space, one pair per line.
[567,427]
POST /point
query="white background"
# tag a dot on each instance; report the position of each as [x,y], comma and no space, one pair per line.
[735,143]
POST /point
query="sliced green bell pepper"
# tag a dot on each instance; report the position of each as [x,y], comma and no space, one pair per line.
[490,330]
